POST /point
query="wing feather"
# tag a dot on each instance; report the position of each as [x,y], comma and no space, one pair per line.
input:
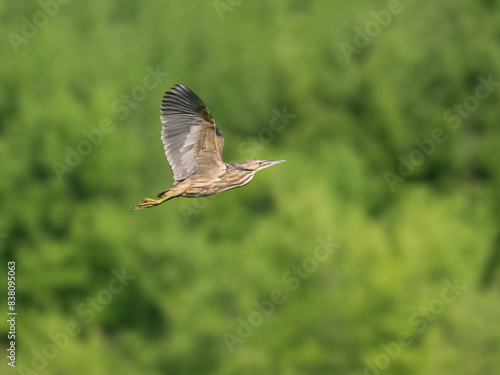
[191,140]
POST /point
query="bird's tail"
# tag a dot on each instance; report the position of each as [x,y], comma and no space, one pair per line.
[177,190]
[163,193]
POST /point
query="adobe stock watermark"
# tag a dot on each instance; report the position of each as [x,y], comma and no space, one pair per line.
[421,320]
[251,147]
[363,37]
[223,6]
[279,121]
[454,118]
[122,107]
[292,278]
[87,310]
[30,27]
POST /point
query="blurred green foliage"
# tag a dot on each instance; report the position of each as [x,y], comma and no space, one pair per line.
[201,266]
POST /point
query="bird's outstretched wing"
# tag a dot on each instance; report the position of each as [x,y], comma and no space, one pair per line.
[191,140]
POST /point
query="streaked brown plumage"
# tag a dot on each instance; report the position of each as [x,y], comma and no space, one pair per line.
[193,146]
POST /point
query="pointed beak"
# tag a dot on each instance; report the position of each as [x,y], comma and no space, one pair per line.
[269,163]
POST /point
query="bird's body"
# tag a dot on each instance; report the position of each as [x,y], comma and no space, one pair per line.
[193,146]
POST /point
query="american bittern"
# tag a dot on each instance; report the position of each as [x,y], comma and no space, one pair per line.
[193,145]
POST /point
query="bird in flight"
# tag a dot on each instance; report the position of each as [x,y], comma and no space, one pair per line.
[193,146]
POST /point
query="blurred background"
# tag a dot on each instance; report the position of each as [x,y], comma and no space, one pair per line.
[373,250]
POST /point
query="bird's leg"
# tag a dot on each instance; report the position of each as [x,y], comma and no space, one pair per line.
[148,202]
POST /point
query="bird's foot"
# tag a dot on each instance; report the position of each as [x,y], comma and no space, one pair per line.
[146,203]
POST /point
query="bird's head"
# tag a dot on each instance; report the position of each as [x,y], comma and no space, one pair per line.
[255,165]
